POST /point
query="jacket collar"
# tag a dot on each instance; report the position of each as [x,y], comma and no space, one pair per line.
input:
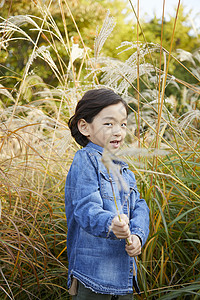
[100,149]
[95,147]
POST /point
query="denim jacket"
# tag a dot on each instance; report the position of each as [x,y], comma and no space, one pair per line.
[95,256]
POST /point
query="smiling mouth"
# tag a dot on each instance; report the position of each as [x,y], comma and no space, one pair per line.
[115,143]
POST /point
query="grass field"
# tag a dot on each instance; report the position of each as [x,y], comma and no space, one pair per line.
[162,149]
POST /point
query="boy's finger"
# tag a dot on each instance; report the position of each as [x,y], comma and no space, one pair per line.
[119,223]
[124,218]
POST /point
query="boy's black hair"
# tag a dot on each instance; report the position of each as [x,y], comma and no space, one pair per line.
[88,107]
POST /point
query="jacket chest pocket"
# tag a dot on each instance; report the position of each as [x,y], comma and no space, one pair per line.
[133,196]
[129,199]
[108,187]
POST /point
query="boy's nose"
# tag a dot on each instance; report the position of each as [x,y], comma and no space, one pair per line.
[117,130]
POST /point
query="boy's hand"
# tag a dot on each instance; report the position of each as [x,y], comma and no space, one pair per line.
[121,228]
[134,248]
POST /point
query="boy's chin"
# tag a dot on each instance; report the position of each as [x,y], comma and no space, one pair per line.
[113,149]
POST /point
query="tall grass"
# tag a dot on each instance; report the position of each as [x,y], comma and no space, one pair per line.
[36,152]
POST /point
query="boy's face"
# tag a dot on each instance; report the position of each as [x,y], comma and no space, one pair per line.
[108,128]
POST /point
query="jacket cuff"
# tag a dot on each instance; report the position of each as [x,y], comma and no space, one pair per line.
[140,233]
[110,234]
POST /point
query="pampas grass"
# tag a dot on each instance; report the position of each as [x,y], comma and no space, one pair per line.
[162,149]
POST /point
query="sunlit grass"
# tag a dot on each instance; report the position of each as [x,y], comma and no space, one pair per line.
[36,152]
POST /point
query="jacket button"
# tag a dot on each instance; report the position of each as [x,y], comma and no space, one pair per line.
[131,270]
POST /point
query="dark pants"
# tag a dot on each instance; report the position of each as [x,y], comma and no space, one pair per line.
[87,294]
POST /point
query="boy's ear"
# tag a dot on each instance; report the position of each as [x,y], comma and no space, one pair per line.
[83,127]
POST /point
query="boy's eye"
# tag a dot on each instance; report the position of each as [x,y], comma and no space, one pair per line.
[108,124]
[124,125]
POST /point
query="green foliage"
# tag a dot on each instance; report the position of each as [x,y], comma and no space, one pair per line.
[86,16]
[183,38]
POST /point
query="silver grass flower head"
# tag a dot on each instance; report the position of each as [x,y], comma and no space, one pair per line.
[142,152]
[103,34]
[76,53]
[188,118]
[6,93]
[2,2]
[19,20]
[111,167]
[44,53]
[185,56]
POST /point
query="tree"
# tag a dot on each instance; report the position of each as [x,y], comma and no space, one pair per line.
[84,15]
[184,38]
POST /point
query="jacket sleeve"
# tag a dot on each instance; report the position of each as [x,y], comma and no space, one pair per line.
[82,197]
[139,213]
